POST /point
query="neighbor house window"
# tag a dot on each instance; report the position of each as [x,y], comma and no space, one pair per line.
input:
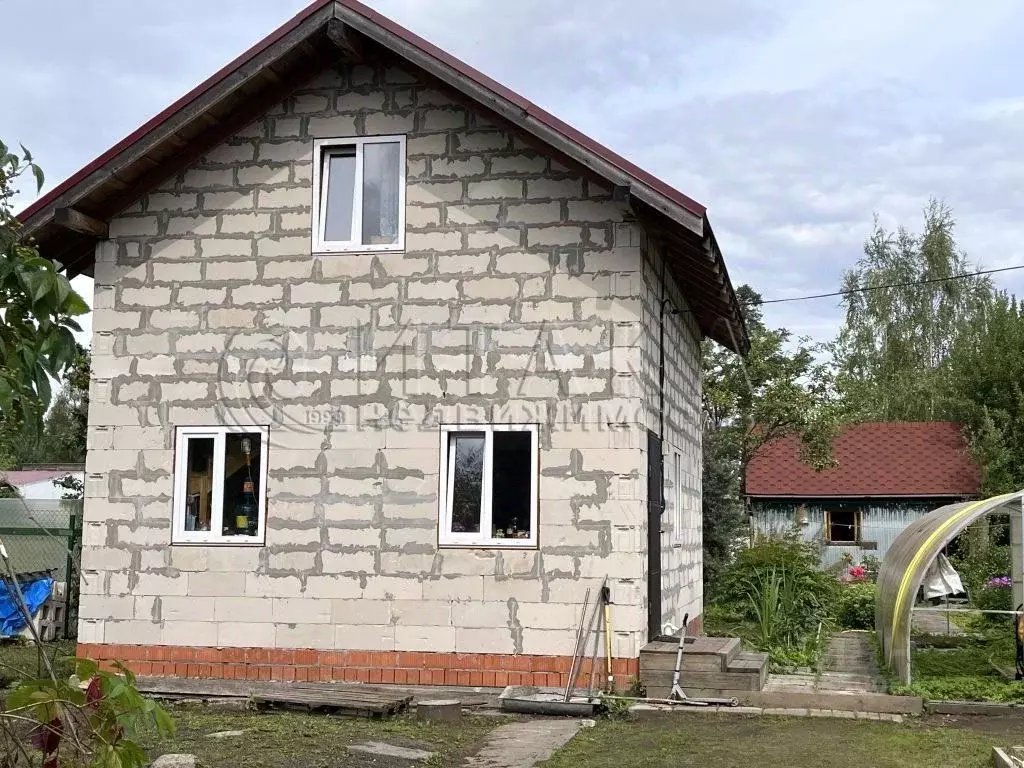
[359,194]
[488,486]
[220,479]
[842,526]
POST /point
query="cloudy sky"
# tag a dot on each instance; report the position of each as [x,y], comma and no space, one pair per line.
[793,126]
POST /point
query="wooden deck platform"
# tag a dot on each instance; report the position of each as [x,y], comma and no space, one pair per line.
[354,700]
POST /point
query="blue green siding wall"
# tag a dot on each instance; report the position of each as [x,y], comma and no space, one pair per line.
[881,522]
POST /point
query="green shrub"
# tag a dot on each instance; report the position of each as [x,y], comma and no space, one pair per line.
[776,597]
[978,566]
[872,565]
[857,606]
[994,598]
[778,580]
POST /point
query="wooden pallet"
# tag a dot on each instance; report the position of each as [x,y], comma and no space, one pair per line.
[354,701]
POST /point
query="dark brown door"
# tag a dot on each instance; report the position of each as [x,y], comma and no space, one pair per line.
[655,509]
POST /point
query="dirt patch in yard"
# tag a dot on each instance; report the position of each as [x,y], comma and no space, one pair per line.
[287,739]
[1008,728]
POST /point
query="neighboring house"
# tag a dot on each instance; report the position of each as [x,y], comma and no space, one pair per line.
[886,476]
[383,355]
[39,482]
[36,526]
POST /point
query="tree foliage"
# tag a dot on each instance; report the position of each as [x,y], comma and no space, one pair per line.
[891,351]
[935,348]
[984,392]
[62,437]
[778,389]
[38,307]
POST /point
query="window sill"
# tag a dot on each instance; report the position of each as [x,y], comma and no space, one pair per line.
[320,251]
[490,544]
[219,543]
[857,544]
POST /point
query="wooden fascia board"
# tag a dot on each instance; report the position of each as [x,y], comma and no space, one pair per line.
[196,110]
[519,118]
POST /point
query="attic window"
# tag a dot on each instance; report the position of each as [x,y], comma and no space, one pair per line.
[359,194]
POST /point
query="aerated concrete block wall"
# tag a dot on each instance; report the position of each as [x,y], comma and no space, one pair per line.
[521,297]
[681,529]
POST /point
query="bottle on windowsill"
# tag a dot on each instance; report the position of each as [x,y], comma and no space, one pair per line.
[245,510]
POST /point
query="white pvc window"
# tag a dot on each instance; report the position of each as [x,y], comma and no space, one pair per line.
[359,194]
[220,480]
[488,485]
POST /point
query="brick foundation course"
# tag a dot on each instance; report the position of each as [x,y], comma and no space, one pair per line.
[386,667]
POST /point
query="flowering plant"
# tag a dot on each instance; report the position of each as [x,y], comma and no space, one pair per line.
[1000,581]
[858,572]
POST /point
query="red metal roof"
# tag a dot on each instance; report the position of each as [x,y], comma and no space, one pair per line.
[412,39]
[915,458]
[23,477]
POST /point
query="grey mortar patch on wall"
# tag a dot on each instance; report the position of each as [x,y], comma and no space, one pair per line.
[515,628]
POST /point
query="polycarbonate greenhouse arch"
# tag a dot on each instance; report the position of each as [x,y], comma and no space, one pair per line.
[904,567]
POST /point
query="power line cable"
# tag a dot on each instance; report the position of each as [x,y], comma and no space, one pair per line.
[867,288]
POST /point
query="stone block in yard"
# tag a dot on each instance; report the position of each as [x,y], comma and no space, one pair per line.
[175,761]
[390,750]
[444,710]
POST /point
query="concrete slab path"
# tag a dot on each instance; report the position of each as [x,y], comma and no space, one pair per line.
[926,622]
[523,745]
[849,667]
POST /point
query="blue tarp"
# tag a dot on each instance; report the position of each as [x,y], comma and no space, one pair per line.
[35,593]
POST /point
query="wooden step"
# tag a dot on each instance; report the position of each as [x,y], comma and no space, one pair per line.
[704,654]
[751,662]
[709,664]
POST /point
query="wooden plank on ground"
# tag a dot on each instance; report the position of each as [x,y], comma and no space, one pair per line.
[345,701]
[335,695]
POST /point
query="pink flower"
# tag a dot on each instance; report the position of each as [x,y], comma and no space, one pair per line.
[858,572]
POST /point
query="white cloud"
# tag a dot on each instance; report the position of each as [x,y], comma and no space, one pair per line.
[793,122]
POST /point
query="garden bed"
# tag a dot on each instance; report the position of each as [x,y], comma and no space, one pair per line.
[777,600]
[976,666]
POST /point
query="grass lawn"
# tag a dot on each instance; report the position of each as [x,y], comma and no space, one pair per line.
[287,739]
[727,741]
[19,660]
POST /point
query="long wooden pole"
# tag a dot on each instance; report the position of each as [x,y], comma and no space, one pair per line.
[606,595]
[577,653]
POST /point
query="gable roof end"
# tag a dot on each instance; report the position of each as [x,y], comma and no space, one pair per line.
[66,221]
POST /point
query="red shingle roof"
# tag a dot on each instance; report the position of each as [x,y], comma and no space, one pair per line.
[917,458]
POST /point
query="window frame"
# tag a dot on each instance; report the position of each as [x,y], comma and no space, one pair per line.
[321,149]
[446,538]
[214,536]
[855,541]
